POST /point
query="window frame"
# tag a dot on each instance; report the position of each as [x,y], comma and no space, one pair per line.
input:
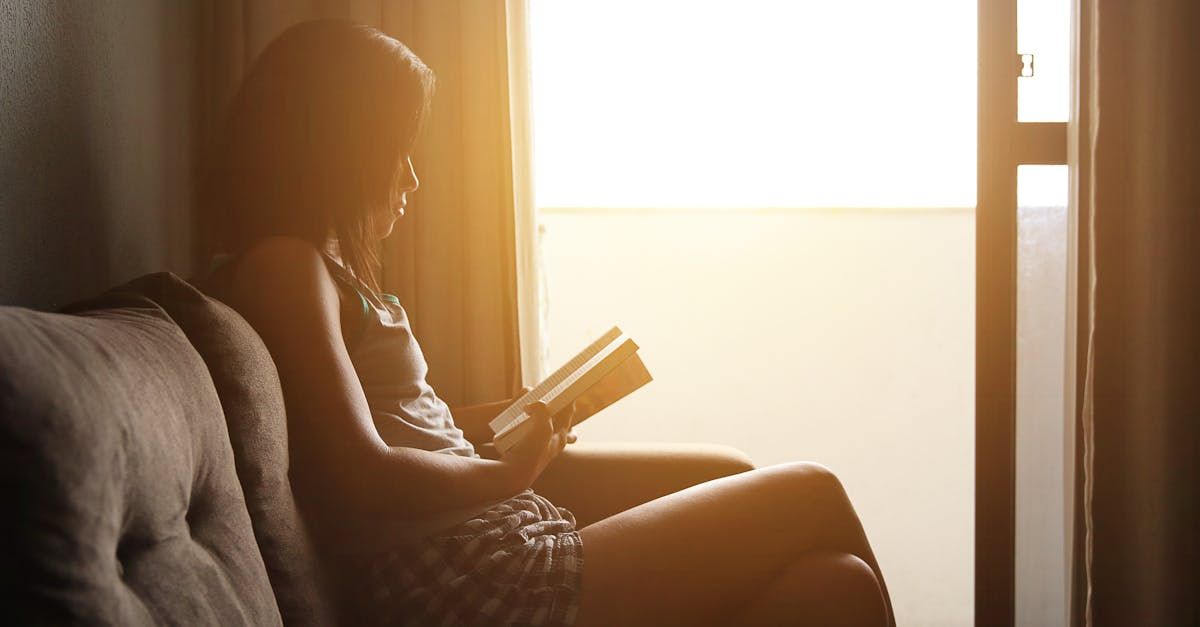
[1004,143]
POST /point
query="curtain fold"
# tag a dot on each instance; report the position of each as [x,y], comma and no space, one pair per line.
[452,258]
[1140,411]
[531,289]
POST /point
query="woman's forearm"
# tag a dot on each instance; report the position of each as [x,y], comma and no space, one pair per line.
[420,483]
[370,478]
[416,483]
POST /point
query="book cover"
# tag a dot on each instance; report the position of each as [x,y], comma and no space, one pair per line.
[604,372]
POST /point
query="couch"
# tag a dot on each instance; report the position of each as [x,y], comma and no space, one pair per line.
[144,468]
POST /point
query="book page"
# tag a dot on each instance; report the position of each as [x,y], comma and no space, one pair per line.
[516,411]
[580,380]
[602,387]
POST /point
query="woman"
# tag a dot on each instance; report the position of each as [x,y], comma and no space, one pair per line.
[313,171]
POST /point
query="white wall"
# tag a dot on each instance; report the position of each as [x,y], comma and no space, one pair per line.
[841,337]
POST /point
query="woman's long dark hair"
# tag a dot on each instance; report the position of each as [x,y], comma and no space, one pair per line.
[314,141]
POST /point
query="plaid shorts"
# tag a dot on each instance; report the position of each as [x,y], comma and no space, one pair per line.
[518,563]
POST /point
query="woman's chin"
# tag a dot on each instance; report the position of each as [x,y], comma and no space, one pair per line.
[386,229]
[386,223]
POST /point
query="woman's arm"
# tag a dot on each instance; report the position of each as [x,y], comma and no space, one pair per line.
[284,290]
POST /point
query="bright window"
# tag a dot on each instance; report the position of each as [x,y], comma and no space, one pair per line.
[776,200]
[756,103]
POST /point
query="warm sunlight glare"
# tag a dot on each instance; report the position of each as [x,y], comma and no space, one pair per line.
[754,104]
[811,330]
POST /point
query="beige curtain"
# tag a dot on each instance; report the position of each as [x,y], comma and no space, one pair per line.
[1139,370]
[453,259]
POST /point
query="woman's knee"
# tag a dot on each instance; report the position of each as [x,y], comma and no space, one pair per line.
[810,486]
[857,578]
[842,588]
[807,472]
[827,588]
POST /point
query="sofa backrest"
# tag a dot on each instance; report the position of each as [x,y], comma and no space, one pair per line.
[122,505]
[248,386]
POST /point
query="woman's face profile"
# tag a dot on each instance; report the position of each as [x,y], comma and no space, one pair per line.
[406,181]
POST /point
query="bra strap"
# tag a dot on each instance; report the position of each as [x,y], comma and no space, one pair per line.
[350,285]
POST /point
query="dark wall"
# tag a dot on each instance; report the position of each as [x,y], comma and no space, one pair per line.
[96,145]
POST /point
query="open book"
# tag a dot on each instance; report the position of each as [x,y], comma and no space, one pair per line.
[600,375]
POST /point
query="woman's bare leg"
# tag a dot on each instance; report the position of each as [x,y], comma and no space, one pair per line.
[825,589]
[705,554]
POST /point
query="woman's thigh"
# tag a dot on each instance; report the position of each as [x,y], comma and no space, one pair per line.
[699,555]
[596,481]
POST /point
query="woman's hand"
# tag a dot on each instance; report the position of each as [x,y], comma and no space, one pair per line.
[474,419]
[540,446]
[565,416]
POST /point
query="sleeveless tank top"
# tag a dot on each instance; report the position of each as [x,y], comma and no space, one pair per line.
[392,371]
[388,361]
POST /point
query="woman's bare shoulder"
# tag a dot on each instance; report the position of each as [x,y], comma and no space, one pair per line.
[280,256]
[285,277]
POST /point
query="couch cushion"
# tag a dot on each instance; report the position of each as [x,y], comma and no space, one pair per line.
[122,506]
[248,385]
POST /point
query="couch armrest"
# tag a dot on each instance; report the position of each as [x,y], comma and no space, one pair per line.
[597,480]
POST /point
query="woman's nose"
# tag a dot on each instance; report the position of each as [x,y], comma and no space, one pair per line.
[410,182]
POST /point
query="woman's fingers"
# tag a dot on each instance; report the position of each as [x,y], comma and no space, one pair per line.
[567,414]
[529,457]
[541,414]
[537,409]
[559,426]
[560,423]
[564,420]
